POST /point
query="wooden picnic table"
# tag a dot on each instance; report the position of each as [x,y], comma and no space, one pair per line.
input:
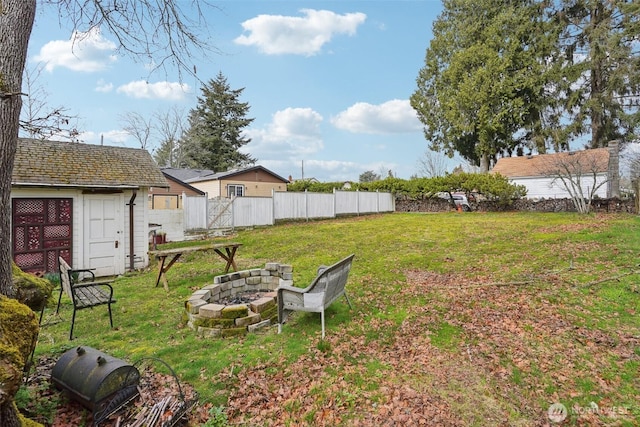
[162,255]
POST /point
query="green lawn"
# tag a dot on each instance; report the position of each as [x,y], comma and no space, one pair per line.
[466,319]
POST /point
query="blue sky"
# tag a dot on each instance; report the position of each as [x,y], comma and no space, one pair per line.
[328,82]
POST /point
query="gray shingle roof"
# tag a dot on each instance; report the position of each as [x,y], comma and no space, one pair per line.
[186,174]
[54,163]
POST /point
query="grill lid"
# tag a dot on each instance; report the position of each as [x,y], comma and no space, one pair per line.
[92,378]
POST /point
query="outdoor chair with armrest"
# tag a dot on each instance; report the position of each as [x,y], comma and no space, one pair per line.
[83,294]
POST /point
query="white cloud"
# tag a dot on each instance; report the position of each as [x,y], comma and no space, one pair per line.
[396,116]
[277,34]
[86,52]
[291,143]
[172,91]
[293,132]
[102,86]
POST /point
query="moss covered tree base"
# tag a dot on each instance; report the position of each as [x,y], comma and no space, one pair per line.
[18,333]
[31,290]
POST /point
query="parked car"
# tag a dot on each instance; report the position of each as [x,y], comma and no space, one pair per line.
[459,199]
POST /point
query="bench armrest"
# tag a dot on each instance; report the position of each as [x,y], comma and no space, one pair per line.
[71,272]
[294,289]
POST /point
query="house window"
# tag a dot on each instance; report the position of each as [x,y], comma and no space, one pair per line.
[235,190]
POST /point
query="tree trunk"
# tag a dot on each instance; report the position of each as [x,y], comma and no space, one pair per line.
[597,76]
[16,22]
[484,163]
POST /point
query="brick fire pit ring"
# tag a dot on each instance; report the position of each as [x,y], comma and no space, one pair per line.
[239,302]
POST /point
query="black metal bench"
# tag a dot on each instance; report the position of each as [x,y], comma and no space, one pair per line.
[83,294]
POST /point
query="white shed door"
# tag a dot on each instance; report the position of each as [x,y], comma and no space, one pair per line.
[103,241]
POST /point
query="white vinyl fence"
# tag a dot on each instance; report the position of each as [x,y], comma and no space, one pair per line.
[200,213]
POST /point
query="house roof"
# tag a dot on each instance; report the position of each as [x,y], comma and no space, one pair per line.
[182,183]
[233,172]
[184,175]
[67,164]
[534,166]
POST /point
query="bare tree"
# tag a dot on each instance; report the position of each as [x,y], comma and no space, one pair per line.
[138,126]
[169,126]
[155,31]
[38,119]
[581,174]
[432,164]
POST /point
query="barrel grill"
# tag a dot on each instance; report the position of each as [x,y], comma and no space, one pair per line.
[98,381]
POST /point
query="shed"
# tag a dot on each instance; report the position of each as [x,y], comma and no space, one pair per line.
[86,203]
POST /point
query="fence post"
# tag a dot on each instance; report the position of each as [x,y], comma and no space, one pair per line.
[334,202]
[273,206]
[206,210]
[184,212]
[306,204]
[358,202]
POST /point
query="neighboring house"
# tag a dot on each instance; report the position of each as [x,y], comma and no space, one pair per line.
[86,203]
[596,167]
[310,180]
[254,181]
[171,197]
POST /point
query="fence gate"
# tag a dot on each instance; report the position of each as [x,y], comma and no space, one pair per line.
[195,212]
[220,213]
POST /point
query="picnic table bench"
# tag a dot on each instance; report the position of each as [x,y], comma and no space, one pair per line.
[228,255]
[328,286]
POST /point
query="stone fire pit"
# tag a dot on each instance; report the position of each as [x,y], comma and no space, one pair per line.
[237,303]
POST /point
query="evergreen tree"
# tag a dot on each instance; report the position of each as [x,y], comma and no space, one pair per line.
[369,176]
[483,80]
[599,79]
[515,76]
[215,129]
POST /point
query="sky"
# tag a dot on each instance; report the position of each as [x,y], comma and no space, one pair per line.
[327,82]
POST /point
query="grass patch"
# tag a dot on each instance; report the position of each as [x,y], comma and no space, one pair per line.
[481,318]
[446,336]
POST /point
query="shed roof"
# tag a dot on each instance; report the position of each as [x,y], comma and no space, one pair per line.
[534,166]
[67,164]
